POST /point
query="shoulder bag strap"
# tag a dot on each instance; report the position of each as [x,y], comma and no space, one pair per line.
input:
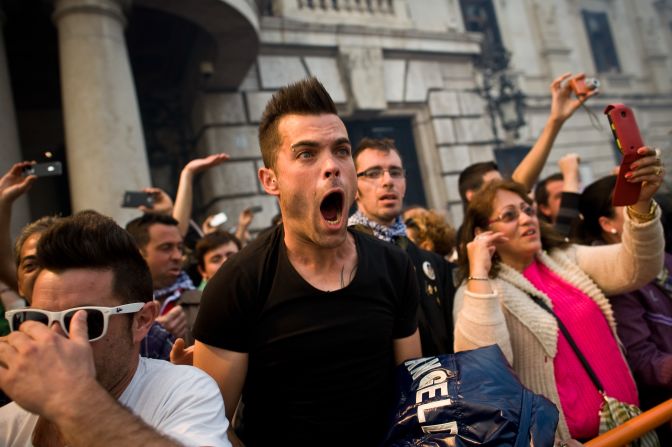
[575,348]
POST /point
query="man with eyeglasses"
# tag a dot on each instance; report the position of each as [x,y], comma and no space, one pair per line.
[72,364]
[381,185]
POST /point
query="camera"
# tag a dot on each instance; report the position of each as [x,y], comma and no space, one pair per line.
[582,87]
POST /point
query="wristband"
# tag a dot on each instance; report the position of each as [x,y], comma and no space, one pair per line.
[478,278]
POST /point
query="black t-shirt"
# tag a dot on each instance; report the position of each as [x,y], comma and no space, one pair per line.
[321,364]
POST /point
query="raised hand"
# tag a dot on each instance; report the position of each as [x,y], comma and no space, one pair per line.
[163,204]
[13,183]
[26,354]
[563,101]
[650,171]
[201,164]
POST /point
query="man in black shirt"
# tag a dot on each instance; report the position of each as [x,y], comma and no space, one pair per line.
[308,321]
[381,185]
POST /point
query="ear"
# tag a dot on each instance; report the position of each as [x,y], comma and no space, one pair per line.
[201,271]
[545,210]
[269,181]
[606,224]
[143,320]
[469,193]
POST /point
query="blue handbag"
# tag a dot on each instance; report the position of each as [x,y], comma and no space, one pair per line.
[471,398]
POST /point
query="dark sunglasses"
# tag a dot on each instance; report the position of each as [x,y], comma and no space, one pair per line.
[96,317]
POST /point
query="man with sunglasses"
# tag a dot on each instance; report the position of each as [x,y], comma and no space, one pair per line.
[72,364]
[381,185]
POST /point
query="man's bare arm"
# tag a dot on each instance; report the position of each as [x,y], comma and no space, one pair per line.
[185,188]
[407,348]
[229,369]
[563,106]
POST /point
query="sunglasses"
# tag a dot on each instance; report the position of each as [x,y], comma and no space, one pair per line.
[376,173]
[96,317]
[510,214]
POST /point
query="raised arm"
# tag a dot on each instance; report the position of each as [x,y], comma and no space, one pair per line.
[563,105]
[12,185]
[72,399]
[477,312]
[185,189]
[619,268]
[569,201]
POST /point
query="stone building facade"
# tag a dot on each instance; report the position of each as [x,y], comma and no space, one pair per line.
[403,68]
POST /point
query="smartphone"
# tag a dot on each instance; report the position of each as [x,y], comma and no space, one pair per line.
[628,140]
[255,209]
[134,199]
[44,169]
[218,219]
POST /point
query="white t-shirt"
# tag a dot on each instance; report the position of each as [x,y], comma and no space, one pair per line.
[182,402]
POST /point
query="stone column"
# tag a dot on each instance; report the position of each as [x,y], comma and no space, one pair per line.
[105,146]
[10,151]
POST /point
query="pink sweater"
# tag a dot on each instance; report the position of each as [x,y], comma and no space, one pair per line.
[579,398]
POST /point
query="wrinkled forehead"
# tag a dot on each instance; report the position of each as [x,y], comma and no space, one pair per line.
[323,128]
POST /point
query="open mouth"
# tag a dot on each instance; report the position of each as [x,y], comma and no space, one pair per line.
[530,232]
[332,207]
[388,197]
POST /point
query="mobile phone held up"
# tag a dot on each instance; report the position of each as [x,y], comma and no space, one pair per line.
[218,219]
[626,133]
[44,169]
[255,209]
[134,199]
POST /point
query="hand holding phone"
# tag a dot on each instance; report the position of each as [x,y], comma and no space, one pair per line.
[43,169]
[134,199]
[626,133]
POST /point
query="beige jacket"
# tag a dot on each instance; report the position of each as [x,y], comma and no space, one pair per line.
[525,332]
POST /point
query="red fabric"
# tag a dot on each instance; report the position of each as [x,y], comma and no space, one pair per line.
[590,330]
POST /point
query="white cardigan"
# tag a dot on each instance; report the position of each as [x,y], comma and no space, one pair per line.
[526,333]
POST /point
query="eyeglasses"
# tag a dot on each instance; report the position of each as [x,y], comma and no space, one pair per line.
[96,317]
[376,173]
[512,213]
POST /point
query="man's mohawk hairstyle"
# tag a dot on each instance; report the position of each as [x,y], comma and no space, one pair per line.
[305,97]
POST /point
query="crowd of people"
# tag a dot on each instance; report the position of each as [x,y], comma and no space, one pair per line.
[291,336]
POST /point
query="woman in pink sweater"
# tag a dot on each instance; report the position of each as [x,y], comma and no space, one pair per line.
[509,263]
